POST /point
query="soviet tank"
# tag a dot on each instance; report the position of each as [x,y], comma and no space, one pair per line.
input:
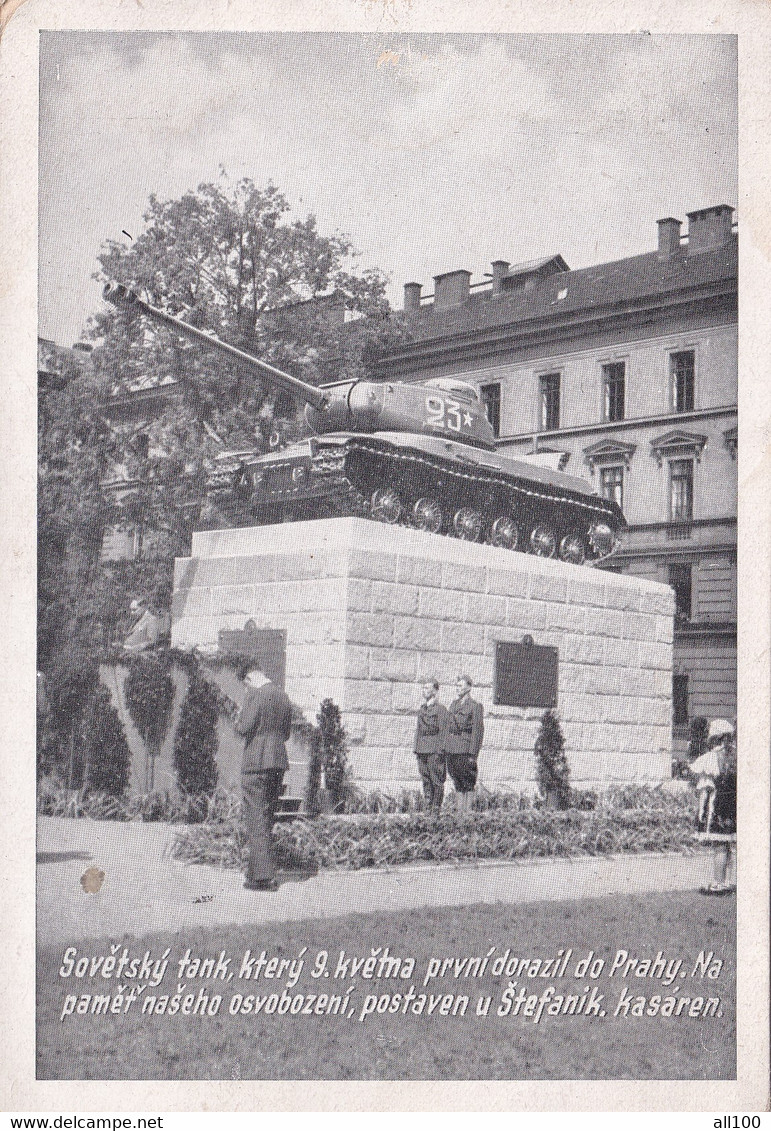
[416,454]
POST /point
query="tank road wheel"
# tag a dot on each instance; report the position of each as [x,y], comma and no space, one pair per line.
[386,506]
[572,549]
[467,524]
[504,533]
[543,542]
[427,515]
[602,540]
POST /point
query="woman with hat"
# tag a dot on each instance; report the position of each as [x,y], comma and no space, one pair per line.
[715,772]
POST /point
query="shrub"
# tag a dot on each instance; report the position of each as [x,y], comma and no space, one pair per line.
[149,694]
[195,743]
[333,753]
[106,751]
[553,773]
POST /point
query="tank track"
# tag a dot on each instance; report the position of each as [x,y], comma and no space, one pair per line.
[383,482]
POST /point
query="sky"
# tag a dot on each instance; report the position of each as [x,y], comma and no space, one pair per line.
[431,152]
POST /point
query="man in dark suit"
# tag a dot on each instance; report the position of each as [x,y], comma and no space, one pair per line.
[429,746]
[265,721]
[463,741]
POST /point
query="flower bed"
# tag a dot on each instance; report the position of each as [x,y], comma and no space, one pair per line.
[388,840]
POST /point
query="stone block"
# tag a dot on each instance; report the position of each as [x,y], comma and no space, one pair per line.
[548,587]
[587,589]
[375,566]
[665,629]
[356,662]
[370,628]
[527,616]
[578,707]
[372,766]
[366,696]
[508,582]
[587,649]
[659,601]
[486,608]
[566,618]
[391,731]
[185,572]
[422,635]
[232,599]
[467,578]
[655,655]
[605,681]
[463,638]
[442,605]
[618,709]
[404,766]
[622,653]
[419,571]
[302,563]
[394,664]
[406,698]
[640,626]
[614,623]
[572,677]
[622,597]
[194,603]
[359,595]
[390,598]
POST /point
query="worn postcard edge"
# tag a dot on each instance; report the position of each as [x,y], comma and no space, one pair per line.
[751,22]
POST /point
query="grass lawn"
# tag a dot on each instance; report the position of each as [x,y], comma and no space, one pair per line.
[442,1044]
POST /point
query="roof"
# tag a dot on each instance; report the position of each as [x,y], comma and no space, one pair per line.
[587,289]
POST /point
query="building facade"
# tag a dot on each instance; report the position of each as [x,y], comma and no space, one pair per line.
[629,370]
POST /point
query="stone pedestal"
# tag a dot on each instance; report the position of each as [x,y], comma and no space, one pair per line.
[372,611]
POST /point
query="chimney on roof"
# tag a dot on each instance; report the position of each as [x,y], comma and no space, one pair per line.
[669,236]
[412,297]
[500,271]
[451,288]
[709,228]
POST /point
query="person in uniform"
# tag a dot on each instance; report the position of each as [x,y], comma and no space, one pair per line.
[265,723]
[463,741]
[145,627]
[429,746]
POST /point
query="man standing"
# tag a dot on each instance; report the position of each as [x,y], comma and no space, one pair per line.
[429,746]
[265,721]
[465,731]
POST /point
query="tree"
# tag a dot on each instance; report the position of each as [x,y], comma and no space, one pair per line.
[231,261]
[107,755]
[196,740]
[552,764]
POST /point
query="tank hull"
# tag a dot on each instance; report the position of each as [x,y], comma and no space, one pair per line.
[429,482]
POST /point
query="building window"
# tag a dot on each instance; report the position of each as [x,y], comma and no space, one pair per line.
[680,580]
[613,382]
[679,700]
[681,490]
[683,372]
[549,385]
[491,399]
[612,484]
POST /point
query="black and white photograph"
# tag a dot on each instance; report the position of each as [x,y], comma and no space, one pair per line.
[388,724]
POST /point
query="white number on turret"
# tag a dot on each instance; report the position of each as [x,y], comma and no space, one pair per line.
[444,412]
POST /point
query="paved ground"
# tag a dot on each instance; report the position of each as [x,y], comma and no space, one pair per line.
[145,890]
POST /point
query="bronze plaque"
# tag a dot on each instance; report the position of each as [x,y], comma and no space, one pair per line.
[266,646]
[525,675]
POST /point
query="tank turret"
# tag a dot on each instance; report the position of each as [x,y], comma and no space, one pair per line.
[396,452]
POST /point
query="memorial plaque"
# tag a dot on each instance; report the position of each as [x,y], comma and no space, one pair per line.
[525,674]
[266,646]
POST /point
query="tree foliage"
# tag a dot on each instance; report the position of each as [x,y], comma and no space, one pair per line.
[107,756]
[195,743]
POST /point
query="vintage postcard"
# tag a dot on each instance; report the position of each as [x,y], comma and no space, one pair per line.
[392,557]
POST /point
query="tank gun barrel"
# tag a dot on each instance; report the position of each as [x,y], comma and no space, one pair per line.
[119,296]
